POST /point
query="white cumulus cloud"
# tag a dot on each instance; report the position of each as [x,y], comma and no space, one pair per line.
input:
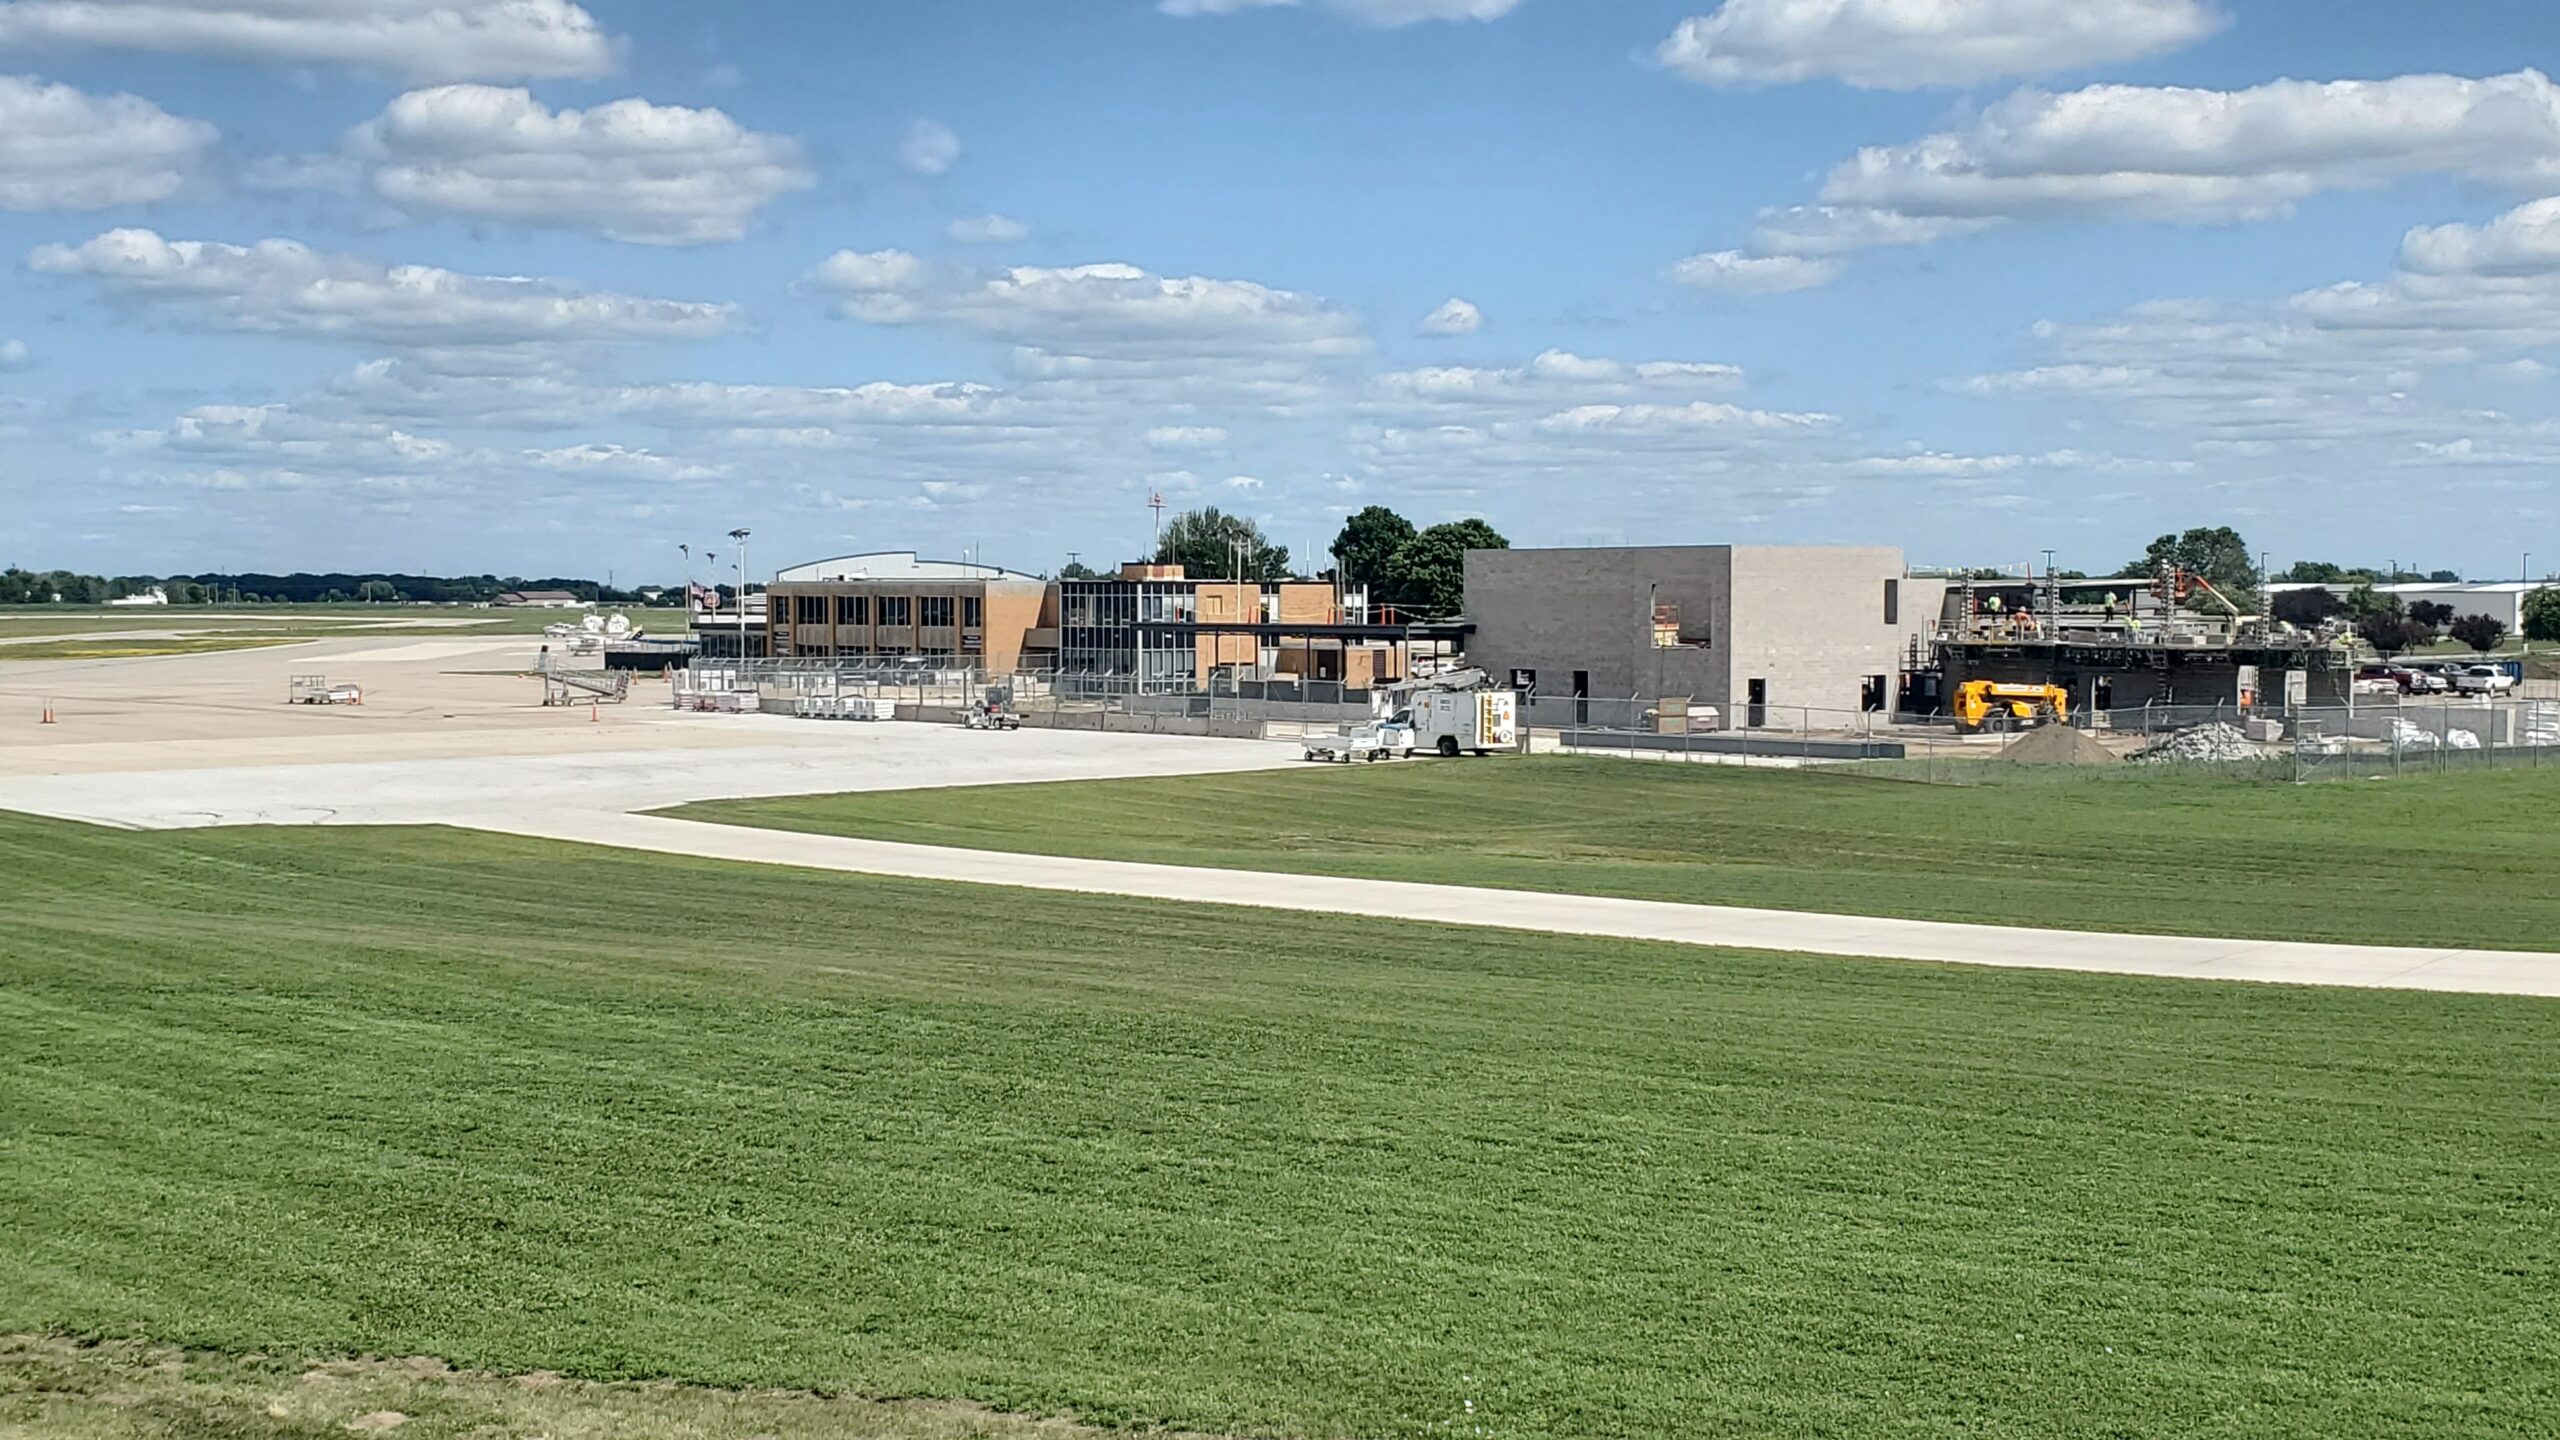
[65,149]
[1734,273]
[2189,154]
[1186,437]
[283,285]
[1096,311]
[629,169]
[1911,44]
[1454,317]
[928,148]
[618,462]
[987,230]
[2524,241]
[416,39]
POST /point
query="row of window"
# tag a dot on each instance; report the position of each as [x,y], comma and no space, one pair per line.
[935,610]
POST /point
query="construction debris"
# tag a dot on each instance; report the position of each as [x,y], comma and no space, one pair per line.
[2057,745]
[2207,744]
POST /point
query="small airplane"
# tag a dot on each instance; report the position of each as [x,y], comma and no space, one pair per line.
[590,636]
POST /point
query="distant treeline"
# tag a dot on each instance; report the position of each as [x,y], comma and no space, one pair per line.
[34,587]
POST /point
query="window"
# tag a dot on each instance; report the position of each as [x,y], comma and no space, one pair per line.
[937,610]
[895,610]
[973,612]
[1893,602]
[857,610]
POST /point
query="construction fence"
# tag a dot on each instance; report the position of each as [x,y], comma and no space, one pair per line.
[2376,736]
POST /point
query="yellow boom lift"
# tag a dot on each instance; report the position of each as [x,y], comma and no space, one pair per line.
[1991,705]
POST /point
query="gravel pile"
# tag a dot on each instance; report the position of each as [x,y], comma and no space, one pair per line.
[2199,744]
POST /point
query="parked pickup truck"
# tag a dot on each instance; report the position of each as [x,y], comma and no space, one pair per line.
[2483,680]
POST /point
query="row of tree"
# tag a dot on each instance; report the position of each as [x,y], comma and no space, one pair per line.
[2392,626]
[31,587]
[1423,571]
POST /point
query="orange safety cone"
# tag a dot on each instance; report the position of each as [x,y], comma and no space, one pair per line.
[592,715]
[48,716]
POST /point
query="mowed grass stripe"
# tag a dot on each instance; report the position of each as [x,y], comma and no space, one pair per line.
[2456,860]
[525,1106]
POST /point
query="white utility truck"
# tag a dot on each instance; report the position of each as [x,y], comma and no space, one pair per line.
[1450,714]
[1449,721]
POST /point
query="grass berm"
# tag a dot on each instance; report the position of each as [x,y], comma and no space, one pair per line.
[2461,860]
[518,1106]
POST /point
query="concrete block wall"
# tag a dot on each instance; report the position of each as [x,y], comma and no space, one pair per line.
[1811,620]
[1559,611]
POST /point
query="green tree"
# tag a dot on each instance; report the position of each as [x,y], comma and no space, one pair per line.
[2315,572]
[2366,603]
[2307,608]
[1368,545]
[2391,633]
[1078,570]
[2431,614]
[2216,553]
[2542,615]
[2480,632]
[1205,543]
[1428,573]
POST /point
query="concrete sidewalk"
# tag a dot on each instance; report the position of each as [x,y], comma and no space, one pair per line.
[2494,972]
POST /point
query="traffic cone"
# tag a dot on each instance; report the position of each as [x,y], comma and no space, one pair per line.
[48,716]
[591,712]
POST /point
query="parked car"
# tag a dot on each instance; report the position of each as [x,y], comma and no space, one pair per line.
[2418,680]
[2439,673]
[2379,680]
[2483,680]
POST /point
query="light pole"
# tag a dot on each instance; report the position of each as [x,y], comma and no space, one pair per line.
[688,583]
[741,537]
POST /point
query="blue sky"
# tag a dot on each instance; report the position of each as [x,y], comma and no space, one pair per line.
[529,286]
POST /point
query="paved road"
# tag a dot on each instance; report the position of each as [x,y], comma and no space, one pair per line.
[2472,971]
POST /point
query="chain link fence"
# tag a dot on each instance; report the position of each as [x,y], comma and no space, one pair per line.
[2381,735]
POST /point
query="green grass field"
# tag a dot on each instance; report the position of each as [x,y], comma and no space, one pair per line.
[522,1106]
[54,632]
[2455,860]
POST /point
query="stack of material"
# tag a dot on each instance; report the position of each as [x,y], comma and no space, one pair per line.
[2204,744]
[2405,736]
[2057,745]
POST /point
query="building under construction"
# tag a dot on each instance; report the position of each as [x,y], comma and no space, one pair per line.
[2127,643]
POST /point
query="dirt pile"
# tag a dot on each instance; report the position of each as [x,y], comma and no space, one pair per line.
[2056,745]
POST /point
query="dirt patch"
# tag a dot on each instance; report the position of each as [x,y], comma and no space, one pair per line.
[2057,745]
[128,1390]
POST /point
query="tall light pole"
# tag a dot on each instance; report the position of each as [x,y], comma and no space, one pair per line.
[741,537]
[688,583]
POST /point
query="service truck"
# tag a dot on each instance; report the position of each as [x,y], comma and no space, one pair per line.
[1449,715]
[1449,721]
